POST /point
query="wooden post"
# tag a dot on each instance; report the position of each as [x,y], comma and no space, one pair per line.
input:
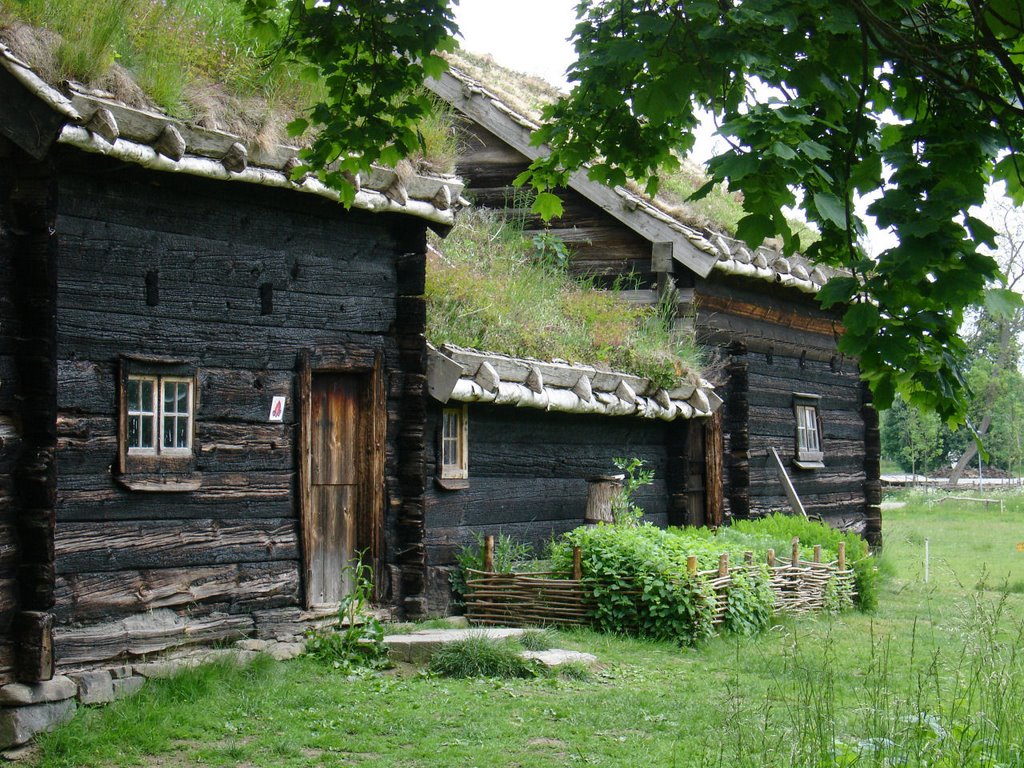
[787,485]
[723,564]
[842,555]
[30,218]
[748,557]
[796,551]
[600,492]
[489,554]
[817,553]
[713,470]
[577,563]
[771,558]
[691,565]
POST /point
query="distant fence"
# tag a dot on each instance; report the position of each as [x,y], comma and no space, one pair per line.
[563,599]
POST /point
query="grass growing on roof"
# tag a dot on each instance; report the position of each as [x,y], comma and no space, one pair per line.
[197,59]
[485,291]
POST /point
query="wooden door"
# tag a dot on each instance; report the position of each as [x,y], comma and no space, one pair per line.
[335,451]
[695,471]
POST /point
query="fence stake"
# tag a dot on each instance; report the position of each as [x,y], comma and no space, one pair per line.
[723,564]
[577,563]
[796,551]
[489,554]
[817,553]
[926,561]
[691,565]
[748,557]
[771,558]
[842,555]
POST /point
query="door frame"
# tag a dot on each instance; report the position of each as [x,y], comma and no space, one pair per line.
[367,364]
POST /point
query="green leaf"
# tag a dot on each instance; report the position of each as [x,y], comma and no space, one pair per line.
[297,127]
[754,228]
[1002,302]
[702,192]
[434,66]
[861,318]
[838,290]
[547,205]
[814,150]
[830,208]
[782,151]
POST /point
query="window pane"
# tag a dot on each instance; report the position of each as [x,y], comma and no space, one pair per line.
[147,432]
[182,434]
[168,439]
[133,395]
[134,438]
[146,392]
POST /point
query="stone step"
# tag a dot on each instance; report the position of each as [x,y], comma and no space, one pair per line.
[418,647]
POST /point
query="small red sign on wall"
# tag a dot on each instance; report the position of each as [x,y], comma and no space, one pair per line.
[277,408]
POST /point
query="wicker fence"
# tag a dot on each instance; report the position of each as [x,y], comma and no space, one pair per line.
[561,599]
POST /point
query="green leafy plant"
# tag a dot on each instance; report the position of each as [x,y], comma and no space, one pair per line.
[636,586]
[624,510]
[357,641]
[481,656]
[838,595]
[550,251]
[749,602]
[508,555]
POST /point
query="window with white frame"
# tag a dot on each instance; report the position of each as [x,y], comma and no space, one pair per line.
[454,443]
[809,453]
[158,415]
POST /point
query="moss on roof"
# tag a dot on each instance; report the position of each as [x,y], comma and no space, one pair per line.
[197,61]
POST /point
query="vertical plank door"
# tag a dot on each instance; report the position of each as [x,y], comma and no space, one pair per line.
[334,483]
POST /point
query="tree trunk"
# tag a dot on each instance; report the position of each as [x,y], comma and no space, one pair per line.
[970,453]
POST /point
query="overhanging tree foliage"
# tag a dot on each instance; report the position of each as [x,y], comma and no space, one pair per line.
[820,100]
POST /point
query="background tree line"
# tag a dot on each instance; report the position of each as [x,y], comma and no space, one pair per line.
[921,441]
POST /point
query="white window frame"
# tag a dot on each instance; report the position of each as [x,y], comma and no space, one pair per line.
[159,414]
[454,434]
[810,452]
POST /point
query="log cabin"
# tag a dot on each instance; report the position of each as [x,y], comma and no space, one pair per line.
[211,385]
[516,441]
[771,349]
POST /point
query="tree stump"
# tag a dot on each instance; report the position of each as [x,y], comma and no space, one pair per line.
[600,492]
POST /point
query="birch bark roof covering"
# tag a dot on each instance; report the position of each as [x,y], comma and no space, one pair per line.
[700,250]
[469,376]
[93,122]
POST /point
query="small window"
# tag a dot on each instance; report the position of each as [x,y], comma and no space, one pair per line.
[159,415]
[454,444]
[157,425]
[809,453]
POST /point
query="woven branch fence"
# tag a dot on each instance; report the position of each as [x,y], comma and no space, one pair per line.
[562,599]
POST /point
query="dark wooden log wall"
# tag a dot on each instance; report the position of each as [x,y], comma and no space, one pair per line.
[600,245]
[767,356]
[528,473]
[233,546]
[12,250]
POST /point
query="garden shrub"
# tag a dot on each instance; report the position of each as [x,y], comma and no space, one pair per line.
[637,583]
[749,602]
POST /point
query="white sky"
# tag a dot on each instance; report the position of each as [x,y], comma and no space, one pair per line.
[526,35]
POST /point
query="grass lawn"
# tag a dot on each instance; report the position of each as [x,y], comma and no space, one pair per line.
[930,669]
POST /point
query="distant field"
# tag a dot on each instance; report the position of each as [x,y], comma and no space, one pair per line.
[932,678]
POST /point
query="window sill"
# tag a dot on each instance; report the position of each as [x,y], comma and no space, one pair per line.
[159,483]
[452,483]
[805,464]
